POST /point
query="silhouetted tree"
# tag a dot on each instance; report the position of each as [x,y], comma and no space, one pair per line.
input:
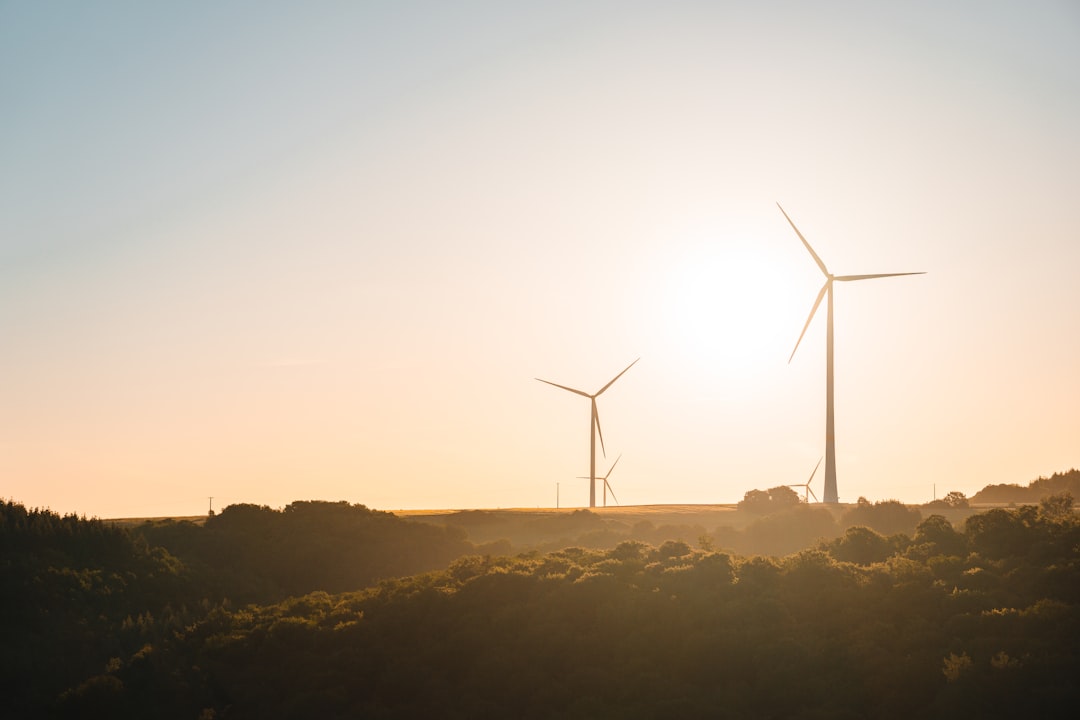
[999,533]
[860,545]
[955,499]
[1057,506]
[252,553]
[888,517]
[938,533]
[762,502]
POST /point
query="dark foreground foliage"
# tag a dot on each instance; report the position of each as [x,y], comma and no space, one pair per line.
[83,596]
[75,593]
[252,553]
[980,621]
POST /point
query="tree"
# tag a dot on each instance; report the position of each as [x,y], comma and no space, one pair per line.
[938,532]
[1057,506]
[1000,533]
[955,666]
[783,497]
[955,499]
[888,517]
[860,545]
[755,501]
[763,502]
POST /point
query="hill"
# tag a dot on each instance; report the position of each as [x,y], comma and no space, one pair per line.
[337,610]
[981,622]
[1033,492]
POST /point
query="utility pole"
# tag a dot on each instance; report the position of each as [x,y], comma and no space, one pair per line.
[211,506]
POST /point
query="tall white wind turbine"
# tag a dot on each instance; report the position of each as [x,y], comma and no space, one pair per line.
[594,427]
[830,437]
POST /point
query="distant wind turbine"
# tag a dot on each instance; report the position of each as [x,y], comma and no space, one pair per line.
[830,438]
[809,492]
[607,485]
[594,427]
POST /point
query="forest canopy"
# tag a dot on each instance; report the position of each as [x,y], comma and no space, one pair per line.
[335,610]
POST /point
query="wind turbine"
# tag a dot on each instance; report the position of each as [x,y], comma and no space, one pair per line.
[594,428]
[830,437]
[607,485]
[809,492]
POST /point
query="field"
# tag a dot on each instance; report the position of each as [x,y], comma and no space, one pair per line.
[705,516]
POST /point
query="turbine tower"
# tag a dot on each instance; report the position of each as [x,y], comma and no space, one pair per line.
[607,485]
[594,428]
[830,437]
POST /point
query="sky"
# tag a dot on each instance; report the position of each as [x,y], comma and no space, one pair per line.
[278,251]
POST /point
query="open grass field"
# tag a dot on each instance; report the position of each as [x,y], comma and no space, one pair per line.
[197,519]
[705,515]
[685,514]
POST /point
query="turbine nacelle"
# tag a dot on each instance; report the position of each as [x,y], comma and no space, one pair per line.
[829,279]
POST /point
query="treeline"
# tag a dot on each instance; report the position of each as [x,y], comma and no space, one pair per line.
[800,525]
[769,522]
[514,532]
[252,553]
[778,527]
[180,620]
[81,594]
[978,621]
[76,593]
[1033,492]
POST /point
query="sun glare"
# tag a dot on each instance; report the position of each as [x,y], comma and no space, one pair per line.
[729,306]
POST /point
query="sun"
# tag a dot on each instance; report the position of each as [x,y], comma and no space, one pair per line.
[728,305]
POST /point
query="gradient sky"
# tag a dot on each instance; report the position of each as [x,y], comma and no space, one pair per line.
[278,251]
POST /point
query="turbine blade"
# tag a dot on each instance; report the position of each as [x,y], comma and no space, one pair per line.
[826,286]
[847,278]
[815,472]
[608,486]
[596,419]
[579,392]
[612,467]
[616,378]
[812,493]
[820,264]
